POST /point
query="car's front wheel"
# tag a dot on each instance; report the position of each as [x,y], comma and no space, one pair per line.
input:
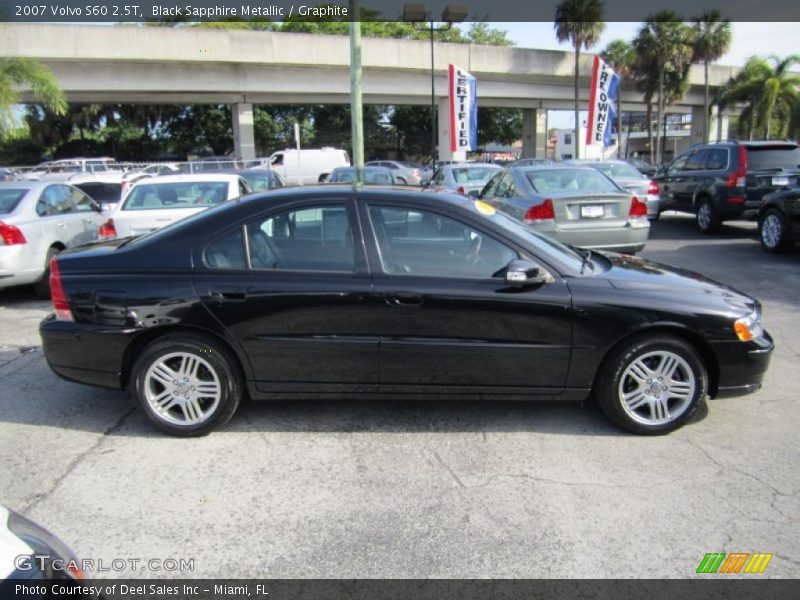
[652,385]
[773,232]
[186,385]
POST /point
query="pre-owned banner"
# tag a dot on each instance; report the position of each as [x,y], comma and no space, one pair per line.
[602,103]
[463,110]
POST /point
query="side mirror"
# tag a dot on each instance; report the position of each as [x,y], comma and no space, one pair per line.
[97,207]
[523,273]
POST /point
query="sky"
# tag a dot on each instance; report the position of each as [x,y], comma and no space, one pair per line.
[761,39]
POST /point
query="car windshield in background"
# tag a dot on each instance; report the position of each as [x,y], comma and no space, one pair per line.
[9,198]
[618,170]
[259,182]
[370,176]
[103,193]
[155,196]
[410,165]
[474,175]
[773,157]
[565,181]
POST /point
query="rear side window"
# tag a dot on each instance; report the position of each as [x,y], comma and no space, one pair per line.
[156,196]
[773,156]
[717,159]
[9,198]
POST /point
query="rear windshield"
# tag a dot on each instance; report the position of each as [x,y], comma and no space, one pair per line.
[773,157]
[410,165]
[378,177]
[260,182]
[474,175]
[570,180]
[155,196]
[9,198]
[618,170]
[102,193]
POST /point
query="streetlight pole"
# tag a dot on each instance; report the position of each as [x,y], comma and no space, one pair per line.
[356,106]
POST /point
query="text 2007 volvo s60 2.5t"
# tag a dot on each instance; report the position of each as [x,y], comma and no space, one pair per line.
[334,292]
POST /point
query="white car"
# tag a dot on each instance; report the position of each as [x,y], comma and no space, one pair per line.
[38,220]
[155,202]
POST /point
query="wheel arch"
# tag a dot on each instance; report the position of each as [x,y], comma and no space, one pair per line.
[700,345]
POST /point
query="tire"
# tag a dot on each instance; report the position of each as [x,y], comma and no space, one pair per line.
[707,217]
[203,363]
[773,232]
[653,407]
[42,287]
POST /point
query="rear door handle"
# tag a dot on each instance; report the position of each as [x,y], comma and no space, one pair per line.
[404,299]
[227,295]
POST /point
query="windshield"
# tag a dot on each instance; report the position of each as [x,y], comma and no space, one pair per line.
[474,175]
[547,181]
[773,157]
[9,198]
[259,182]
[618,170]
[195,194]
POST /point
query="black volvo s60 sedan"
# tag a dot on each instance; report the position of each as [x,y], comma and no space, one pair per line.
[333,292]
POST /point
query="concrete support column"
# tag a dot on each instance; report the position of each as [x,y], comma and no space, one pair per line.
[696,131]
[443,116]
[718,125]
[534,133]
[244,142]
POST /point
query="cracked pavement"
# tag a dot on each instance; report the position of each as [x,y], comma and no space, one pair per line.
[415,489]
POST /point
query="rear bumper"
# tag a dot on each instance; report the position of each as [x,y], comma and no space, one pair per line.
[627,238]
[84,353]
[17,266]
[742,365]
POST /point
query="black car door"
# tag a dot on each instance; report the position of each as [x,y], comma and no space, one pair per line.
[446,318]
[296,295]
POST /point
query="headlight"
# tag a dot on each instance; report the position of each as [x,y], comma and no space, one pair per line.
[749,327]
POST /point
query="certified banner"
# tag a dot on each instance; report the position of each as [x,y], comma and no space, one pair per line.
[463,110]
[602,103]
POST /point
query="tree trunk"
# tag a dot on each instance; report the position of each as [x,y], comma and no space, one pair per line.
[660,114]
[651,154]
[577,153]
[705,102]
[619,122]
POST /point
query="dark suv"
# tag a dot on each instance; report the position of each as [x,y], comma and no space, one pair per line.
[724,181]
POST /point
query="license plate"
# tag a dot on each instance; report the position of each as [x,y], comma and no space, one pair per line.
[592,211]
[780,181]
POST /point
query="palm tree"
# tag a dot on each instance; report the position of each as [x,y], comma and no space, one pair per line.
[664,42]
[16,73]
[712,38]
[619,56]
[579,22]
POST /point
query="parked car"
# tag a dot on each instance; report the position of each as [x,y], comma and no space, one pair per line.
[335,292]
[262,180]
[426,172]
[464,178]
[644,167]
[107,189]
[725,181]
[132,175]
[37,221]
[371,175]
[7,174]
[312,165]
[629,179]
[155,202]
[576,205]
[403,172]
[779,219]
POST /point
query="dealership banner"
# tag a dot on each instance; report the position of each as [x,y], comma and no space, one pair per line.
[463,110]
[602,103]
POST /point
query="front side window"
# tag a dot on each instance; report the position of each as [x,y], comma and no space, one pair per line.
[156,196]
[679,163]
[696,161]
[80,201]
[416,242]
[316,238]
[243,189]
[54,202]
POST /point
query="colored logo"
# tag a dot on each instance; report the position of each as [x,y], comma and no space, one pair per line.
[735,562]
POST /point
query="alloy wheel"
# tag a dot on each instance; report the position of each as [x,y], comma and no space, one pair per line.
[771,231]
[182,389]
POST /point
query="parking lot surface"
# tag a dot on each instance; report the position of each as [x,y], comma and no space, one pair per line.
[418,489]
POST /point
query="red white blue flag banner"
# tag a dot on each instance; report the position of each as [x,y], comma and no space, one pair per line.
[463,110]
[602,103]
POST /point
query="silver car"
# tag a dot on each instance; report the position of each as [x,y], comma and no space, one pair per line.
[628,178]
[576,205]
[403,172]
[465,178]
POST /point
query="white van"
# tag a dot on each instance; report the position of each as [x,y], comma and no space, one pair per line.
[307,166]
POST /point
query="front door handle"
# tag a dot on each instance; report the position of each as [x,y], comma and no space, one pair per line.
[404,299]
[227,295]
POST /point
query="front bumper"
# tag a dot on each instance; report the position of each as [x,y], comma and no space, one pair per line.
[742,365]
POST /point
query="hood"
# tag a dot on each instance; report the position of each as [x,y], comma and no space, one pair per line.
[687,287]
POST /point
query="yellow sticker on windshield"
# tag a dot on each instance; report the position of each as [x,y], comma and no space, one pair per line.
[486,209]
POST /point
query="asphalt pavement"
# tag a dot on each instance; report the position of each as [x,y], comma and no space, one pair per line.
[410,489]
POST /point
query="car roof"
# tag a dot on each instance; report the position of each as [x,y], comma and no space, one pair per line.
[28,185]
[478,165]
[553,167]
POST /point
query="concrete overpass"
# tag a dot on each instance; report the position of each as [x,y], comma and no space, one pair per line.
[164,65]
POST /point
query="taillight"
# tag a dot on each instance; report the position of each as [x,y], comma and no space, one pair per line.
[460,190]
[106,231]
[653,189]
[60,303]
[11,235]
[541,212]
[738,178]
[638,208]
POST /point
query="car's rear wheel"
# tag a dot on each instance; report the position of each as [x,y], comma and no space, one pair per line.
[42,287]
[652,385]
[707,217]
[186,385]
[773,232]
